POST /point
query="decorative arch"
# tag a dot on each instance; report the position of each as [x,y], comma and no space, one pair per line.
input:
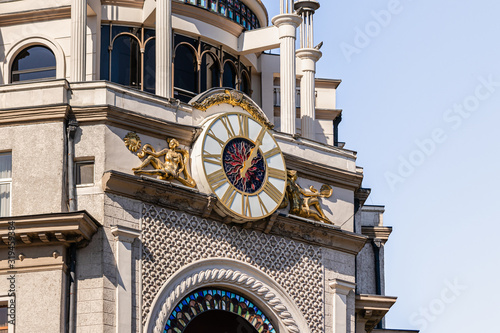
[233,275]
[210,299]
[32,41]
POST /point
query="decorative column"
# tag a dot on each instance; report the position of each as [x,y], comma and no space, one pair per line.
[78,40]
[341,289]
[124,237]
[308,56]
[287,23]
[164,48]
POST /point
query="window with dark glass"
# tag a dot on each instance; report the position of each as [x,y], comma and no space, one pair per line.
[234,10]
[33,63]
[84,172]
[4,324]
[229,78]
[128,56]
[5,183]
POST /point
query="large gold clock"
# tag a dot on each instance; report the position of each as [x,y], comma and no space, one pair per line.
[238,160]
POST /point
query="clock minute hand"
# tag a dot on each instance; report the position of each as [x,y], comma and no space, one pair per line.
[248,162]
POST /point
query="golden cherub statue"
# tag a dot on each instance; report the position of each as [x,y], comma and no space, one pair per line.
[303,201]
[175,165]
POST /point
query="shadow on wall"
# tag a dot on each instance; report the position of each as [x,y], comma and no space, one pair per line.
[2,57]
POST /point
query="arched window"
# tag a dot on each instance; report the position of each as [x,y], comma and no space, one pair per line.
[34,63]
[229,78]
[125,57]
[245,83]
[185,72]
[210,72]
[216,310]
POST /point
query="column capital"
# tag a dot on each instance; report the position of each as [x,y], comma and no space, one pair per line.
[287,24]
[309,53]
[125,234]
[342,287]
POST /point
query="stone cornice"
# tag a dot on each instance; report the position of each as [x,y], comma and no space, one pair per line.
[342,287]
[373,308]
[381,233]
[158,192]
[182,198]
[125,234]
[35,16]
[38,114]
[58,228]
[324,173]
[132,121]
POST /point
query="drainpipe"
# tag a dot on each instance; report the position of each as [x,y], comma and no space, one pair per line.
[376,244]
[71,130]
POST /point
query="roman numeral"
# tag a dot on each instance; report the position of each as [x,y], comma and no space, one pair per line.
[217,179]
[272,192]
[272,152]
[263,207]
[229,128]
[276,173]
[245,206]
[243,120]
[212,158]
[228,197]
[213,136]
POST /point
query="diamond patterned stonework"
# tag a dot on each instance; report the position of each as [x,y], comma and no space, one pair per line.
[172,240]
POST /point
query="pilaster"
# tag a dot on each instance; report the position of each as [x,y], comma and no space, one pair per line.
[341,289]
[124,237]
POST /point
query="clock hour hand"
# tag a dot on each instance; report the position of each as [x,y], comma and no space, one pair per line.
[248,162]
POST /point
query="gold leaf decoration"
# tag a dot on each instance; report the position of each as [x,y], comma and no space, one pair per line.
[132,141]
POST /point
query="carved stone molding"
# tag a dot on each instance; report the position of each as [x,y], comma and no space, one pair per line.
[172,240]
[372,308]
[57,228]
[226,276]
[35,16]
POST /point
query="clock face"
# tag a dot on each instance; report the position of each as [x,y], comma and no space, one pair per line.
[243,166]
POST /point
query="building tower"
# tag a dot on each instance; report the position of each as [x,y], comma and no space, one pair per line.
[152,178]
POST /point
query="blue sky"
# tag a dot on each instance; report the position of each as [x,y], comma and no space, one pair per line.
[420,98]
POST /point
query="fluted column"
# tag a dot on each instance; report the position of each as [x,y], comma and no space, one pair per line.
[163,47]
[287,24]
[78,40]
[308,56]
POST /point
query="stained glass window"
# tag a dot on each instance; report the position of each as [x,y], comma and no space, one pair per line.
[235,10]
[212,299]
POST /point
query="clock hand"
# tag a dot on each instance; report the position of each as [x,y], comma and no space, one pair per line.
[248,162]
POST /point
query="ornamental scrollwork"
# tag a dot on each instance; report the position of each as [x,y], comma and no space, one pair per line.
[169,163]
[234,98]
[305,203]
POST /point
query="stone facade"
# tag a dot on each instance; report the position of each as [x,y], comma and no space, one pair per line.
[118,252]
